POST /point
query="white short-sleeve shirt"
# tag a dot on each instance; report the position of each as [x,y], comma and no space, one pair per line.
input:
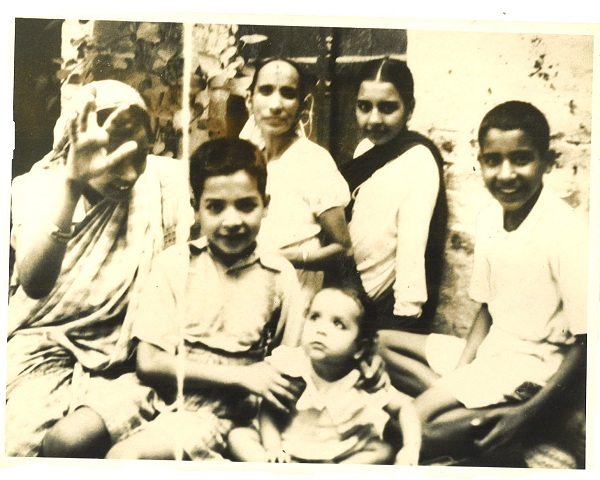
[533,279]
[303,183]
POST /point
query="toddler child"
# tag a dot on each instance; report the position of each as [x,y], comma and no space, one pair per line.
[333,421]
[210,312]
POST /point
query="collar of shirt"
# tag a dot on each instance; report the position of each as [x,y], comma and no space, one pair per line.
[201,245]
[527,228]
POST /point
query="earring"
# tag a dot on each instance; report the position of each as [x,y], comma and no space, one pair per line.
[306,117]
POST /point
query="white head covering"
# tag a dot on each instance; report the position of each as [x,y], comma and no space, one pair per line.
[109,94]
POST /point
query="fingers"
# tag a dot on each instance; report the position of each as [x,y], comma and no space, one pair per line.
[106,161]
[88,115]
[495,438]
[278,456]
[82,120]
[284,396]
[478,425]
[483,420]
[375,368]
[274,387]
[367,370]
[109,123]
[83,125]
[373,376]
[285,458]
[122,152]
[272,399]
[74,127]
[295,385]
[489,442]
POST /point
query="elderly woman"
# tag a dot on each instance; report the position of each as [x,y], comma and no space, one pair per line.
[88,220]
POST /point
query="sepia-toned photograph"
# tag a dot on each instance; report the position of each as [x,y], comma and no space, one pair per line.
[250,241]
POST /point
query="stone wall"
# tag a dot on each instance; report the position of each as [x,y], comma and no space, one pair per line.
[459,76]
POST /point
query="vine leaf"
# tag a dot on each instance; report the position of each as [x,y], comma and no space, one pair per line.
[240,85]
[149,32]
[228,54]
[209,64]
[253,39]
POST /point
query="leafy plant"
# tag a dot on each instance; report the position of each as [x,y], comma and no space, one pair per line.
[149,57]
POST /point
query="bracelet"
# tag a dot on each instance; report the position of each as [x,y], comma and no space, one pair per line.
[60,235]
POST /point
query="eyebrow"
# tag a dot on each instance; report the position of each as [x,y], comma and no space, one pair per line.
[249,197]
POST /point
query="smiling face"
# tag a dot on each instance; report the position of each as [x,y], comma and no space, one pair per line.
[275,99]
[230,211]
[331,331]
[117,182]
[512,169]
[380,111]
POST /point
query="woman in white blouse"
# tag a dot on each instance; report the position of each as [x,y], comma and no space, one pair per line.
[398,214]
[305,222]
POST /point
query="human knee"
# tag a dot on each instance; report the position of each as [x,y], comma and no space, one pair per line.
[58,443]
[242,440]
[124,451]
[384,453]
[238,435]
[81,434]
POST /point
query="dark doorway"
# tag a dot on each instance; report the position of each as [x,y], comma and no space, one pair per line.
[36,102]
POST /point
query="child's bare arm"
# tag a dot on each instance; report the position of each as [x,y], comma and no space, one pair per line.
[403,407]
[479,330]
[159,367]
[410,426]
[271,424]
[511,419]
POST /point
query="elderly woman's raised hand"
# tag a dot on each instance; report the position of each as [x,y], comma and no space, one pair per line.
[88,155]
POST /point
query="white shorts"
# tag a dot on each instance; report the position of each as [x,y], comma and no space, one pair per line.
[485,381]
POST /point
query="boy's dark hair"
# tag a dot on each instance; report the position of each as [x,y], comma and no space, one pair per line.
[302,81]
[517,115]
[224,156]
[394,71]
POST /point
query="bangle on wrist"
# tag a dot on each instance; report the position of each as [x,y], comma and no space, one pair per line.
[60,235]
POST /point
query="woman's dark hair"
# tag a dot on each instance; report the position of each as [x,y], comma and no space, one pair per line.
[517,115]
[394,71]
[302,81]
[224,156]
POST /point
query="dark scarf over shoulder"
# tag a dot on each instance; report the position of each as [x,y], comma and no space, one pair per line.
[361,168]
